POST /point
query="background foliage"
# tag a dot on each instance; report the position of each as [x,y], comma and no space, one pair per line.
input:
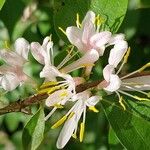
[128,130]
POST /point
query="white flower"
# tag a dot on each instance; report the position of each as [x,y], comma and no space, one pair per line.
[125,83]
[11,74]
[86,37]
[73,116]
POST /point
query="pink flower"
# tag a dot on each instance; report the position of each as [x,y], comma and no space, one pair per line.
[12,73]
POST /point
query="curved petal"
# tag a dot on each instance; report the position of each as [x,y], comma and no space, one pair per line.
[88,59]
[74,35]
[12,58]
[107,72]
[70,125]
[116,39]
[88,32]
[57,97]
[50,73]
[117,53]
[114,83]
[36,50]
[140,83]
[22,47]
[90,16]
[9,82]
[100,39]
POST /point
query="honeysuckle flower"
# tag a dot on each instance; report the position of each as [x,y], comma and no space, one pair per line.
[120,85]
[86,36]
[83,100]
[11,73]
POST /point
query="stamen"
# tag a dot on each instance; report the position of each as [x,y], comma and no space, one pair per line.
[47,84]
[134,96]
[58,106]
[49,115]
[82,128]
[64,94]
[71,115]
[7,45]
[121,101]
[137,71]
[62,30]
[74,135]
[59,122]
[92,108]
[124,60]
[135,89]
[66,59]
[78,21]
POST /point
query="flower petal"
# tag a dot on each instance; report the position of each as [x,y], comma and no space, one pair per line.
[100,39]
[90,16]
[140,83]
[70,125]
[22,47]
[107,72]
[50,73]
[74,35]
[114,83]
[88,59]
[117,53]
[116,39]
[12,58]
[36,50]
[88,32]
[9,82]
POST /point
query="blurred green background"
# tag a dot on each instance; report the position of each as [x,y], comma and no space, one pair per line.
[33,20]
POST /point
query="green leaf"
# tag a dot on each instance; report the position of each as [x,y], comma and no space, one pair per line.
[132,127]
[112,11]
[1,3]
[34,131]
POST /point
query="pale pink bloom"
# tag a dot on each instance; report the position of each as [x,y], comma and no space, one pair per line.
[126,83]
[42,53]
[87,37]
[12,73]
[83,100]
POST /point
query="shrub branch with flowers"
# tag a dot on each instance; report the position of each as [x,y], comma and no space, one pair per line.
[61,89]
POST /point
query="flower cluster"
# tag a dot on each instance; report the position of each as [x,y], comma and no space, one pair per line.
[60,86]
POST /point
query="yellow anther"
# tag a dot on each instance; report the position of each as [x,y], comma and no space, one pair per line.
[99,20]
[144,67]
[127,55]
[59,122]
[78,21]
[88,65]
[121,103]
[47,84]
[63,94]
[71,115]
[82,128]
[58,106]
[7,45]
[93,109]
[141,98]
[74,135]
[48,90]
[148,94]
[52,89]
[62,30]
